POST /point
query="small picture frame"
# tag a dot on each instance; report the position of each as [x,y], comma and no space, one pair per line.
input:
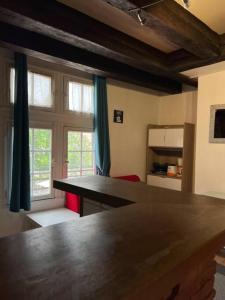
[118,116]
[217,124]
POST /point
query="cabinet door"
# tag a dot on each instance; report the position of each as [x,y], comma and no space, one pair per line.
[174,137]
[156,137]
[164,182]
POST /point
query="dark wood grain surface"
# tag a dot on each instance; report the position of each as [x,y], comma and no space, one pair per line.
[140,251]
[117,192]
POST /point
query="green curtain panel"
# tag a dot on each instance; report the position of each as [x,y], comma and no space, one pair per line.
[20,190]
[101,126]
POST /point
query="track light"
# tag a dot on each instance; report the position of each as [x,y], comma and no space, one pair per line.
[140,18]
[186,3]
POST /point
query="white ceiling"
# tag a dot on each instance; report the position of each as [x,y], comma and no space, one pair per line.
[210,12]
[198,72]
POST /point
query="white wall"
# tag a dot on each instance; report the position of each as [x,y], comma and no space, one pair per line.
[128,140]
[210,158]
[178,109]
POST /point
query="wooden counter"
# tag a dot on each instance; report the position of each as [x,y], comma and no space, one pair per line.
[160,247]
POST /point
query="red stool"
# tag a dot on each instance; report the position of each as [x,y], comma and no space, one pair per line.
[73,202]
[133,178]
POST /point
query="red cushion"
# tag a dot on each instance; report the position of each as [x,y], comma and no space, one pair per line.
[73,202]
[133,178]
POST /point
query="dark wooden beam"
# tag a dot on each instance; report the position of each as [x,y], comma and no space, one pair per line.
[172,22]
[52,50]
[182,60]
[68,25]
[63,23]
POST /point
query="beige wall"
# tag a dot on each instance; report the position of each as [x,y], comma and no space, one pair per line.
[177,109]
[128,140]
[210,158]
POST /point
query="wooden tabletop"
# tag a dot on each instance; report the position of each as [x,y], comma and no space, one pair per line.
[118,193]
[119,254]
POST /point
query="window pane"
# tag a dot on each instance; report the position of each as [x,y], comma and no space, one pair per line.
[41,184]
[74,141]
[80,154]
[87,99]
[87,141]
[87,172]
[87,161]
[42,139]
[74,160]
[40,161]
[12,85]
[39,89]
[74,174]
[80,97]
[74,96]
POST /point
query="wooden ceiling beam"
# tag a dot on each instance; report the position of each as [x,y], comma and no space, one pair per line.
[182,60]
[63,23]
[46,48]
[175,24]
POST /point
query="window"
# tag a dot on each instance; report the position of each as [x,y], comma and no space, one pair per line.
[217,124]
[39,89]
[40,162]
[47,125]
[80,97]
[80,154]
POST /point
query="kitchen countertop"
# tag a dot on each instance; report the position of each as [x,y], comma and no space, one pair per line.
[154,248]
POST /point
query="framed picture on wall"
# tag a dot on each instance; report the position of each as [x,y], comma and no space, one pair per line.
[118,116]
[217,124]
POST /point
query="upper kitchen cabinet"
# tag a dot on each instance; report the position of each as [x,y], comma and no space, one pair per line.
[166,137]
[156,137]
[174,137]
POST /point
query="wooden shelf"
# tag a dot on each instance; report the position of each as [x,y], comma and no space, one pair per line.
[165,176]
[167,144]
[171,149]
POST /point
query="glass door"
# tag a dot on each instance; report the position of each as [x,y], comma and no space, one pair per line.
[78,153]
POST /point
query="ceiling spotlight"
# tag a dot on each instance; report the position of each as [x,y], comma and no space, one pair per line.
[140,18]
[186,3]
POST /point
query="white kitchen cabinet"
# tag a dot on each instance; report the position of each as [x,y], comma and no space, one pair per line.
[166,137]
[156,137]
[165,145]
[164,182]
[174,137]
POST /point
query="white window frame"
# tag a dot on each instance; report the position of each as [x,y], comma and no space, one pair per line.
[65,145]
[56,118]
[8,148]
[41,71]
[66,80]
[42,125]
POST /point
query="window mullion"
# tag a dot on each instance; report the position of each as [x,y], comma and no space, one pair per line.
[81,149]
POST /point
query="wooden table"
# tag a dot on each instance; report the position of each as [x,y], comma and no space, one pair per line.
[161,246]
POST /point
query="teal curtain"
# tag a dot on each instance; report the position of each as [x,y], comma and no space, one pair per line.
[20,188]
[101,127]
